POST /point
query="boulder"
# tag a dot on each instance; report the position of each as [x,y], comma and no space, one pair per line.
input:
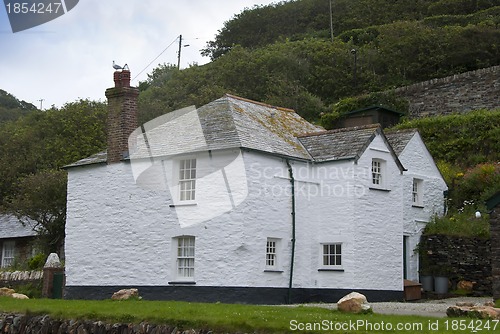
[478,311]
[16,295]
[466,285]
[6,292]
[125,294]
[353,303]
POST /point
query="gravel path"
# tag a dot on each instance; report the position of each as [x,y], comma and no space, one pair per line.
[431,308]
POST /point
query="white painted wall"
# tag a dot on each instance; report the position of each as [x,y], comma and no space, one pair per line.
[420,164]
[119,232]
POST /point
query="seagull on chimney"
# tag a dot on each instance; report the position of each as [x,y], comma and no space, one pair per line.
[116,67]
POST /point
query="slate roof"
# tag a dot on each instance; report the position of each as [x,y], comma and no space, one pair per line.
[10,228]
[228,122]
[399,139]
[346,143]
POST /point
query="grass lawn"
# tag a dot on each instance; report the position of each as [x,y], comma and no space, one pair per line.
[243,318]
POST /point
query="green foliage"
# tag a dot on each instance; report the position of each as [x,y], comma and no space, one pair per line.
[12,108]
[461,139]
[41,197]
[477,184]
[32,290]
[461,222]
[37,262]
[50,140]
[282,54]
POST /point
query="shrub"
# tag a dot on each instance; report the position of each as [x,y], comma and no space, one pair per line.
[37,262]
[461,222]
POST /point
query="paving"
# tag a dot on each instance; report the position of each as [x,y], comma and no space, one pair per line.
[423,307]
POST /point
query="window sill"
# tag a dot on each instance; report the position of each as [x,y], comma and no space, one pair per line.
[325,269]
[182,283]
[417,206]
[380,189]
[183,204]
[273,271]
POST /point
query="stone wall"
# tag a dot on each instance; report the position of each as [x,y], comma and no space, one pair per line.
[28,324]
[459,259]
[463,92]
[495,250]
[13,279]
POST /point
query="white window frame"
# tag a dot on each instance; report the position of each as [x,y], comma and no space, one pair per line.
[377,172]
[331,251]
[187,180]
[185,257]
[417,192]
[8,253]
[273,250]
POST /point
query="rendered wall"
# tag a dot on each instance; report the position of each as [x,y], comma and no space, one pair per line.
[420,165]
[119,233]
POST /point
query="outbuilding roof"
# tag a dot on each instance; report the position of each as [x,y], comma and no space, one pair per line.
[11,227]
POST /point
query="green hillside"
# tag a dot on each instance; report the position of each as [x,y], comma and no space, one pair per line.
[11,108]
[284,53]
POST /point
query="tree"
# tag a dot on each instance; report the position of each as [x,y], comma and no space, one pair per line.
[41,198]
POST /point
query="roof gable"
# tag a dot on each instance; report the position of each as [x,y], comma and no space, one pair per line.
[345,143]
[399,139]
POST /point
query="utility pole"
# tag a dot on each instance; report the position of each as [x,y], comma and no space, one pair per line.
[179,53]
[41,103]
[331,21]
[355,54]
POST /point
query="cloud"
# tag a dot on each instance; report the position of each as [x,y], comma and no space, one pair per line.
[70,57]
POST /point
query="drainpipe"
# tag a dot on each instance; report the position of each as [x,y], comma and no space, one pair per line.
[292,182]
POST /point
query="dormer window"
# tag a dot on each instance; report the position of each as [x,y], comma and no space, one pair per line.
[377,175]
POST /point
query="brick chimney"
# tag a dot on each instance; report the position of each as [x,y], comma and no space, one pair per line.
[122,115]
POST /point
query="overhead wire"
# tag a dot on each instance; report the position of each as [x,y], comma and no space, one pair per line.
[175,40]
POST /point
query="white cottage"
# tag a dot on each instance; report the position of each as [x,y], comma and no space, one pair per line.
[239,201]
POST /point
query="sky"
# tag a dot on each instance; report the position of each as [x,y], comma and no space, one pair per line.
[70,57]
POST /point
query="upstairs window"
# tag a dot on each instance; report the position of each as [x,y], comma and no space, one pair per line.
[377,176]
[187,180]
[417,192]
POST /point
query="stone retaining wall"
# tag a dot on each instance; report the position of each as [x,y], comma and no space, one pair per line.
[28,324]
[463,92]
[459,259]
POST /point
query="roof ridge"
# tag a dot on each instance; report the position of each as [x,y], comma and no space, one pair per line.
[395,131]
[354,128]
[259,103]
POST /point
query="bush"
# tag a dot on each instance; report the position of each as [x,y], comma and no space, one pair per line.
[37,262]
[461,223]
[32,290]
